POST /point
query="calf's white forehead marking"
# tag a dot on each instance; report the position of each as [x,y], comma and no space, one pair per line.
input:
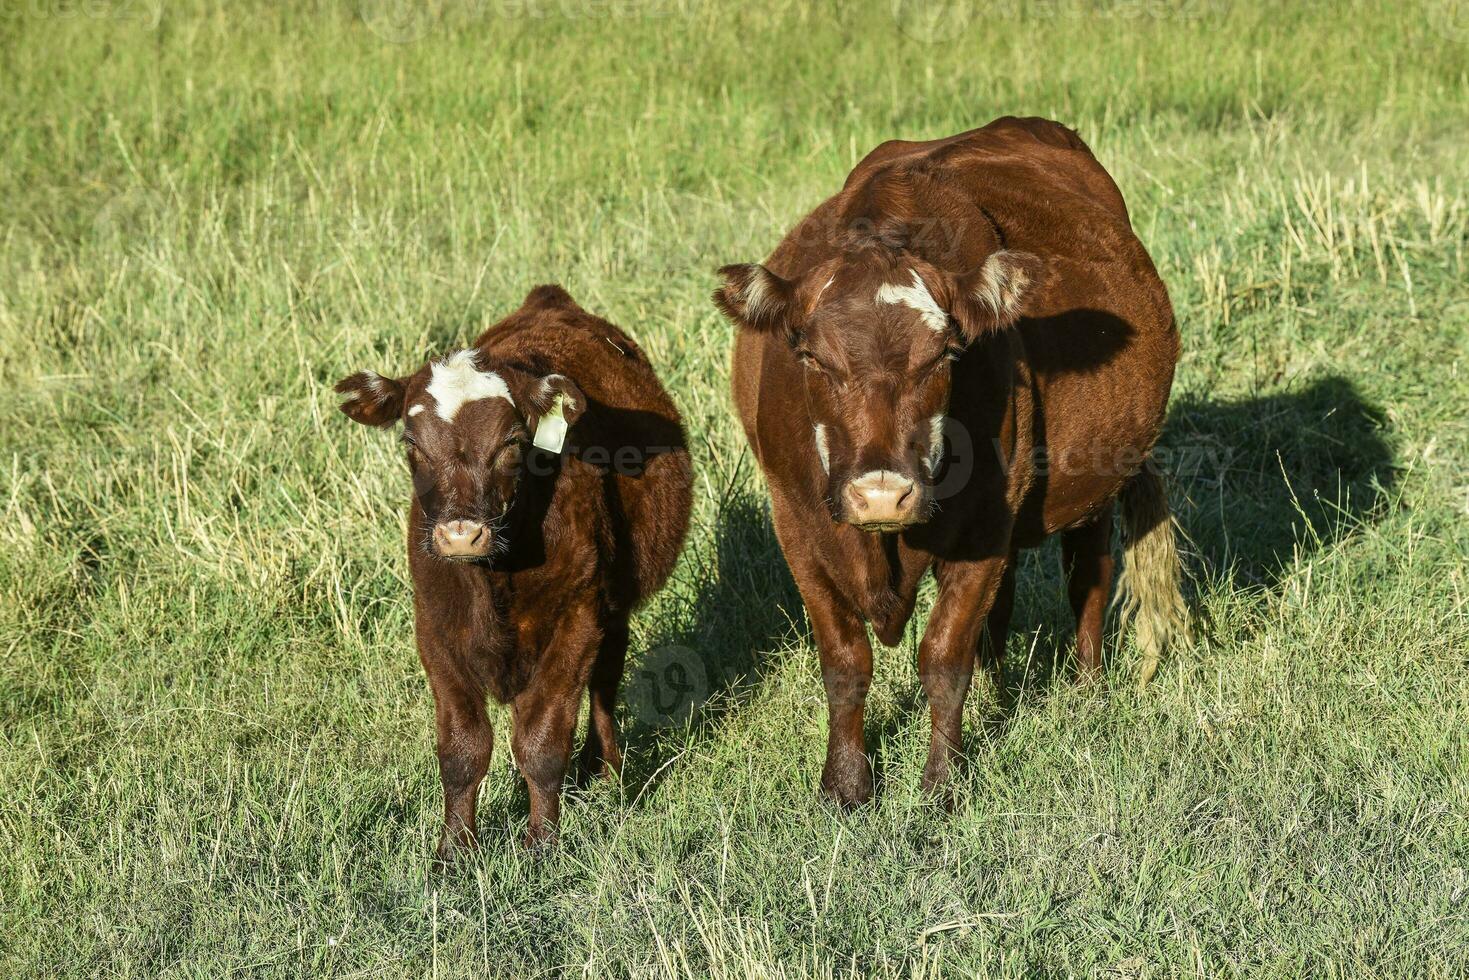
[821,448]
[457,380]
[917,297]
[415,410]
[935,443]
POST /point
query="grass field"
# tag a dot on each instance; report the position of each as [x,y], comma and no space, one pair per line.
[216,751]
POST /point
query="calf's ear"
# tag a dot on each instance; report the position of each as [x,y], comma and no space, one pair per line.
[555,404]
[998,293]
[371,398]
[753,296]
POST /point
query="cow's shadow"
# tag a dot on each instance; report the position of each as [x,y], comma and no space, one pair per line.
[1253,482]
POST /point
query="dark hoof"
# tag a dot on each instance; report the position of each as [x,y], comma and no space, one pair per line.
[848,790]
[539,840]
[1088,676]
[940,794]
[937,785]
[593,768]
[453,850]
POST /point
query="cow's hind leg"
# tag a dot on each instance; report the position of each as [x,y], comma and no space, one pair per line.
[600,754]
[1086,560]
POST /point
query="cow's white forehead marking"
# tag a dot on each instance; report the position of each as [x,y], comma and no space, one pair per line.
[919,298]
[822,451]
[935,443]
[415,410]
[456,380]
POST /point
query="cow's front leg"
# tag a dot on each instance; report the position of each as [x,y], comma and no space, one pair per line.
[846,673]
[846,658]
[545,718]
[946,658]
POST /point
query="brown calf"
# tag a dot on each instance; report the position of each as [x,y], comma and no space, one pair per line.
[551,493]
[964,351]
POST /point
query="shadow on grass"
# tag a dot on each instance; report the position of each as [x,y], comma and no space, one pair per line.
[1280,472]
[710,655]
[1252,481]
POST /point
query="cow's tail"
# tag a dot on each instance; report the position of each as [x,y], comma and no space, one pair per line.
[1150,587]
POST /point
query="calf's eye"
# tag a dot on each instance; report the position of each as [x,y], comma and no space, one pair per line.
[509,453]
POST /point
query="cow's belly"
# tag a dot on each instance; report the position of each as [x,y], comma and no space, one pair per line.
[1097,425]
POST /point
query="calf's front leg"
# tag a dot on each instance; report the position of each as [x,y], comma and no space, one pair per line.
[465,741]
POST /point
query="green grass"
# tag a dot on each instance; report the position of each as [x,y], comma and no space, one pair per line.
[216,751]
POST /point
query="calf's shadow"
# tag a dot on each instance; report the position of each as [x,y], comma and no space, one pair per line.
[734,608]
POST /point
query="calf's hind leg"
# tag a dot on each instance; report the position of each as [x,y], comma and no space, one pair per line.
[545,717]
[600,754]
[1086,559]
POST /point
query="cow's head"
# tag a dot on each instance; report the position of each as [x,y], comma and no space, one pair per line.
[877,331]
[467,432]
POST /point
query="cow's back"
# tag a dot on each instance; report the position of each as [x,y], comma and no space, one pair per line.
[631,426]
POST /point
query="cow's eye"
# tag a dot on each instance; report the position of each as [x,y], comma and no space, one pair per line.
[812,361]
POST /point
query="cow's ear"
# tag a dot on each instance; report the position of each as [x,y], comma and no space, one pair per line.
[997,294]
[555,404]
[371,398]
[753,296]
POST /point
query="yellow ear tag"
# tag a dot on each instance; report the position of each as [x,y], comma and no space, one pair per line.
[551,429]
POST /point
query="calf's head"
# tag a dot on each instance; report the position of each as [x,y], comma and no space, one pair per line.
[877,333]
[468,431]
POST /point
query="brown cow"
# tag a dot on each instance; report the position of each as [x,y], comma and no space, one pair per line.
[964,351]
[528,556]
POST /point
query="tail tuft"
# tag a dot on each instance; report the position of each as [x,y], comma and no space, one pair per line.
[1150,586]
